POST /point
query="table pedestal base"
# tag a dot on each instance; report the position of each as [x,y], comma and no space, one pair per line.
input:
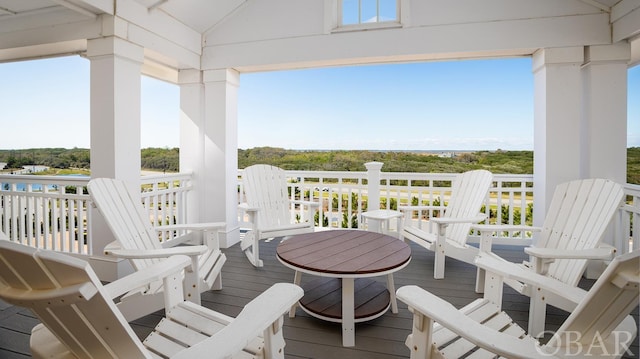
[365,299]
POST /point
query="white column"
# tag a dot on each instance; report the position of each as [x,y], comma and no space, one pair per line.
[219,180]
[557,122]
[115,130]
[605,114]
[115,108]
[605,111]
[373,185]
[192,139]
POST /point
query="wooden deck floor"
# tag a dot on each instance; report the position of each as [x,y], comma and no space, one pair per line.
[307,337]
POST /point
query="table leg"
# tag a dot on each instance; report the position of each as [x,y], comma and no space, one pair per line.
[348,313]
[374,225]
[296,280]
[392,293]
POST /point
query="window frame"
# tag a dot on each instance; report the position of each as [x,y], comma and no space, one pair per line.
[368,25]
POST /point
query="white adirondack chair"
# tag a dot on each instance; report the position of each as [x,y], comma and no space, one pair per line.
[578,216]
[449,237]
[80,320]
[138,241]
[599,327]
[268,207]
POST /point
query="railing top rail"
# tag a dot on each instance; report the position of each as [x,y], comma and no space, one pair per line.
[83,180]
[181,176]
[70,180]
[631,189]
[448,176]
[393,175]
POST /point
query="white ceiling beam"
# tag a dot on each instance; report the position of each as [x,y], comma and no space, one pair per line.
[228,14]
[7,11]
[627,26]
[156,4]
[412,44]
[75,8]
[164,51]
[623,8]
[598,5]
[38,11]
[161,24]
[106,6]
[29,36]
[65,48]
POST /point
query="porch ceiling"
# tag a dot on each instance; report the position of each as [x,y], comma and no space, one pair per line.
[41,28]
[200,15]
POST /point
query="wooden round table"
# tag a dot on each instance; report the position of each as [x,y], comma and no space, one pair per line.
[344,259]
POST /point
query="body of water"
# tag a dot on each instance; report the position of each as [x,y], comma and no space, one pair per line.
[35,187]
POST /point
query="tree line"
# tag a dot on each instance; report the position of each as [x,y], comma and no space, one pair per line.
[167,159]
[159,159]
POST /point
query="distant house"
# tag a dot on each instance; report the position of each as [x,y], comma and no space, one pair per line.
[447,155]
[3,165]
[34,168]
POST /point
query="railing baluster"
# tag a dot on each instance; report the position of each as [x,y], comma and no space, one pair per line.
[53,219]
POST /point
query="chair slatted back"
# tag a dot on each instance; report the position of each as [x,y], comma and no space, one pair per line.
[609,301]
[468,192]
[265,187]
[122,209]
[68,298]
[578,216]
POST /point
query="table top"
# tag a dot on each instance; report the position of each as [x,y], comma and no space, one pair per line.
[344,252]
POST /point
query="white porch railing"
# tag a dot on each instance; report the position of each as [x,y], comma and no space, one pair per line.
[165,198]
[47,212]
[626,236]
[344,196]
[51,211]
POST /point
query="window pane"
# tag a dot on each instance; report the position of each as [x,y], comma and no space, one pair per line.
[350,12]
[388,10]
[369,11]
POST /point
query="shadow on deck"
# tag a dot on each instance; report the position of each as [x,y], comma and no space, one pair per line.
[307,337]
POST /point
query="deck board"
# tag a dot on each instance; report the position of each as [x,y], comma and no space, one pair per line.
[308,337]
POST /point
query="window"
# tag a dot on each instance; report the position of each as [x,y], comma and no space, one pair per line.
[364,12]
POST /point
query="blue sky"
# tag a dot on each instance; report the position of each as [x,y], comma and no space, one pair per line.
[459,105]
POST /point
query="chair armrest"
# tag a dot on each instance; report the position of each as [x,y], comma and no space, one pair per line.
[147,275]
[261,313]
[486,240]
[113,246]
[305,203]
[543,257]
[605,253]
[420,208]
[446,220]
[504,228]
[509,270]
[192,226]
[451,318]
[156,253]
[245,207]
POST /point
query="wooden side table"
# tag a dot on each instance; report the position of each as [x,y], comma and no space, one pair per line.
[378,220]
[345,260]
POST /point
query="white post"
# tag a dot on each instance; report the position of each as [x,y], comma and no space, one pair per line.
[373,185]
[605,75]
[115,131]
[192,139]
[605,88]
[219,180]
[557,122]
